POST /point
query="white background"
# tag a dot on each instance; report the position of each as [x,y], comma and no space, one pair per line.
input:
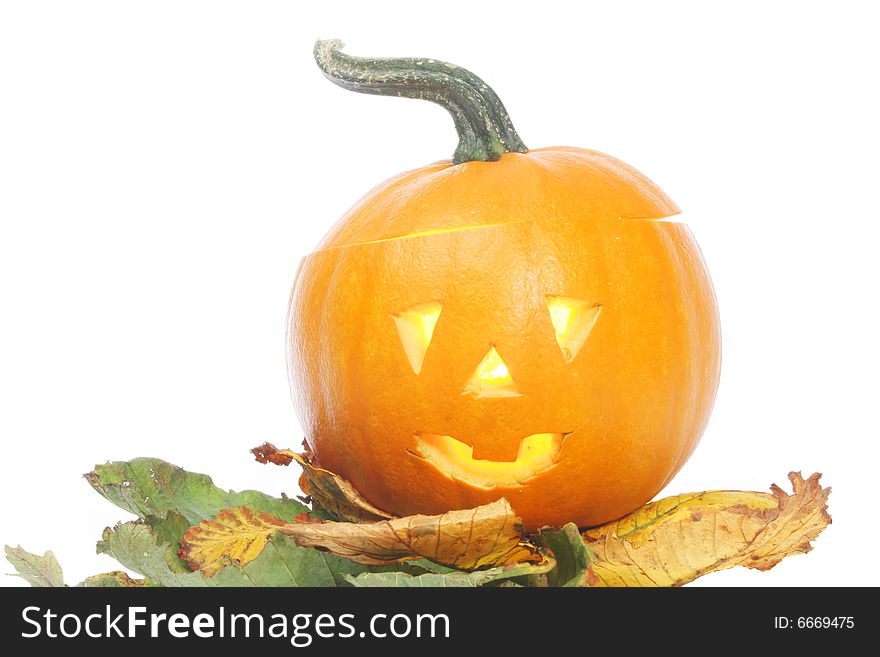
[164,165]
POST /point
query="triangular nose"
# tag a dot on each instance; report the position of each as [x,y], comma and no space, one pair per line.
[491,378]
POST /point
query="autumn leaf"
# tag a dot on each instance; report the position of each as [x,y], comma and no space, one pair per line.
[677,539]
[38,571]
[453,578]
[268,453]
[251,539]
[45,571]
[170,500]
[234,536]
[487,535]
[114,579]
[281,563]
[330,491]
[572,555]
[153,487]
[136,547]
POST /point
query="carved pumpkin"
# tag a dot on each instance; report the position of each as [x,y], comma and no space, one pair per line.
[510,323]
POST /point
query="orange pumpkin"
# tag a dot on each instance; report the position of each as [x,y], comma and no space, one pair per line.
[512,323]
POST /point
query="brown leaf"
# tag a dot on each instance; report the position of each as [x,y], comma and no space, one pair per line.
[488,535]
[268,453]
[330,491]
[335,494]
[235,535]
[677,539]
[305,517]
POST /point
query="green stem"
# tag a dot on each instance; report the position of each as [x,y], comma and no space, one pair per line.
[485,132]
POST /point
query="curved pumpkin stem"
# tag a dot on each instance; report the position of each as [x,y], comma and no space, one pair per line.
[485,132]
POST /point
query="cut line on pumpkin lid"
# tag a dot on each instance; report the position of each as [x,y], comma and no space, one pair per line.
[670,219]
[421,233]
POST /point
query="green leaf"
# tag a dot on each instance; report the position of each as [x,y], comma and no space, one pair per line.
[450,578]
[134,545]
[152,487]
[281,563]
[169,529]
[573,557]
[402,580]
[36,570]
[421,566]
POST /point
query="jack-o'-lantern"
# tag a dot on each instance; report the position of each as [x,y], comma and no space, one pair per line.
[510,323]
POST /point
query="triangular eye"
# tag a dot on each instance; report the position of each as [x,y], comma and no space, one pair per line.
[416,328]
[491,378]
[573,319]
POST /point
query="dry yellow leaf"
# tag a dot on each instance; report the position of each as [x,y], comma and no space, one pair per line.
[336,495]
[113,579]
[488,535]
[677,539]
[235,535]
[331,492]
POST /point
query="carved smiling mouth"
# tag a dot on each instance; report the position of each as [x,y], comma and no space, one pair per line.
[537,454]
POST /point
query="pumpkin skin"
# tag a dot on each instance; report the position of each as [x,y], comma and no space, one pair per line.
[491,244]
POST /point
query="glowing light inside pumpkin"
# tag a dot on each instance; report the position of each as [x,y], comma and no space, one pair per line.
[491,378]
[537,454]
[573,320]
[416,328]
